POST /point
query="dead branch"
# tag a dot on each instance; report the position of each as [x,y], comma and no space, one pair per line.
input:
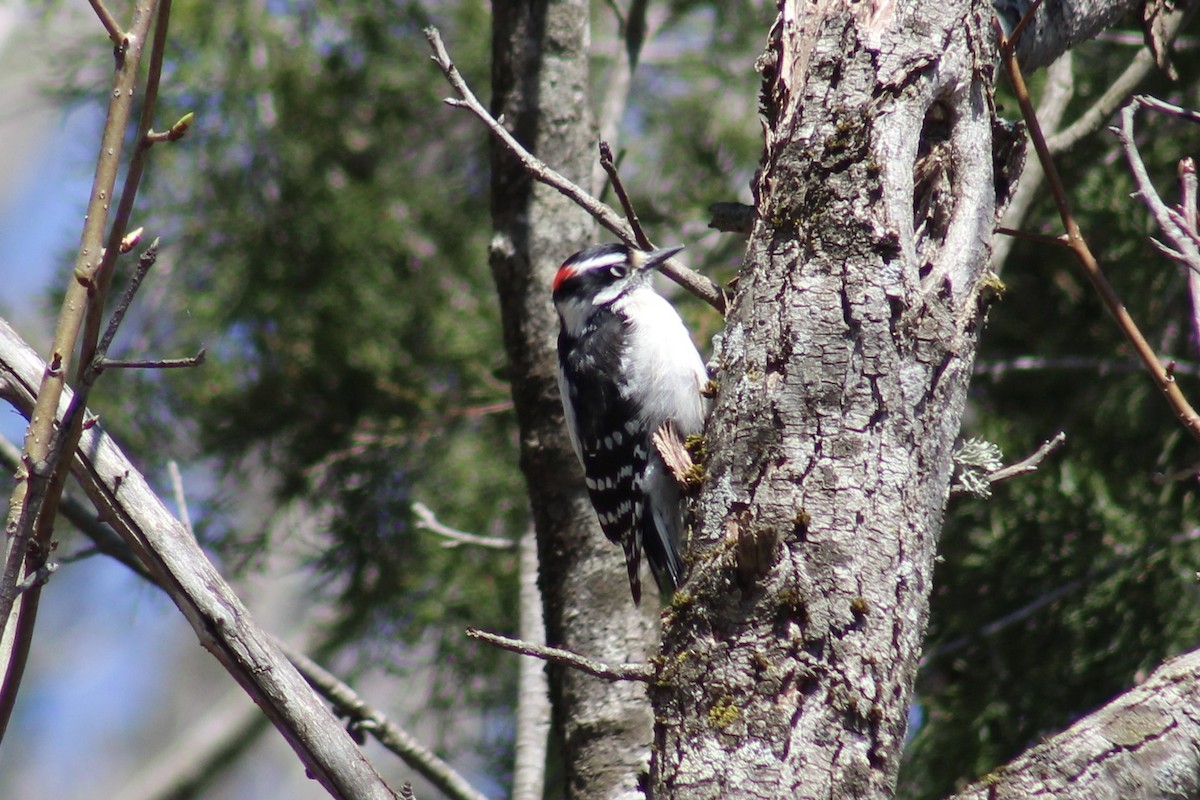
[1162,378]
[221,622]
[621,672]
[344,699]
[47,450]
[614,178]
[704,288]
[1174,223]
[427,520]
[1031,462]
[109,22]
[365,718]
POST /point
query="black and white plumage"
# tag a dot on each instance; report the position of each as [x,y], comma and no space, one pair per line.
[627,365]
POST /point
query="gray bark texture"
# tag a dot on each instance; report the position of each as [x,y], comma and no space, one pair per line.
[1141,746]
[789,654]
[1059,25]
[601,730]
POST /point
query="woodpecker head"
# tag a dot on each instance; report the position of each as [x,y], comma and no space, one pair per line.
[600,275]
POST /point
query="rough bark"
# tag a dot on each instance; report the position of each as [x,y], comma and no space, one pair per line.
[601,729]
[790,652]
[1141,746]
[1060,25]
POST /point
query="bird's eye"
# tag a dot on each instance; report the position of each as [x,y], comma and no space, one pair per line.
[618,270]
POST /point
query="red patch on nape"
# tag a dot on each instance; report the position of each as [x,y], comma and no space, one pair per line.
[564,273]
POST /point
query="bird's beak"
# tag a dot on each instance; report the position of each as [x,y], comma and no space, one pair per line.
[654,258]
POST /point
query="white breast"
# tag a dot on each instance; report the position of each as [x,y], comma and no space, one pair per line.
[661,366]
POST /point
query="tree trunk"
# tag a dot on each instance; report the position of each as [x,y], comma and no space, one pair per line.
[790,652]
[540,71]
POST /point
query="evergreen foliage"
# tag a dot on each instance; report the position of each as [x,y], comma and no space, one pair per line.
[1087,568]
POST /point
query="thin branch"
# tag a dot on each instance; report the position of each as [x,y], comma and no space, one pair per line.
[610,169]
[1164,107]
[1057,93]
[109,22]
[1030,236]
[1024,23]
[160,363]
[427,520]
[694,282]
[1030,463]
[1168,221]
[1140,67]
[622,672]
[83,517]
[1158,373]
[1189,198]
[47,451]
[220,620]
[145,262]
[997,370]
[367,719]
[346,702]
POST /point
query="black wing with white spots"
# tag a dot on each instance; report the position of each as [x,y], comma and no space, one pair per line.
[612,447]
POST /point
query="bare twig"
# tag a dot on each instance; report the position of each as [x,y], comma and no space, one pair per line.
[1189,197]
[83,517]
[997,370]
[47,451]
[1030,463]
[158,363]
[1140,67]
[1164,107]
[427,520]
[1024,22]
[367,719]
[219,618]
[344,699]
[109,22]
[1169,221]
[1033,237]
[610,169]
[621,672]
[1158,373]
[145,262]
[694,282]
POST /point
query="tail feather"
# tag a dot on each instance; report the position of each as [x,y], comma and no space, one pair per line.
[633,563]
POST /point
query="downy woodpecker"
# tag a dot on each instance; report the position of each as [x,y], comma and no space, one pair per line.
[626,365]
